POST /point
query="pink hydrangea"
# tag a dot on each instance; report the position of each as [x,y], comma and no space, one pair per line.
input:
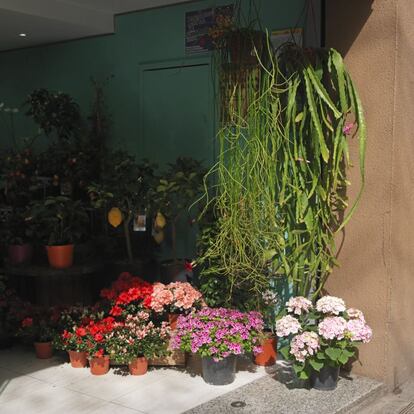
[304,345]
[358,330]
[287,325]
[330,305]
[332,327]
[298,304]
[355,314]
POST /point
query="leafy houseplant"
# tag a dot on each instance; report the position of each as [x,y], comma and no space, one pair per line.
[322,337]
[176,192]
[218,335]
[59,222]
[124,189]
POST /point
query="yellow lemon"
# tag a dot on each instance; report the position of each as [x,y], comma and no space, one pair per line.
[160,221]
[115,217]
[158,236]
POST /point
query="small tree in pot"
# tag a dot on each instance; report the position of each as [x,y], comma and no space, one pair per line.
[174,195]
[60,222]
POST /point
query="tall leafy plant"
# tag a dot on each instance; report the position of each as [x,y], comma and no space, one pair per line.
[279,197]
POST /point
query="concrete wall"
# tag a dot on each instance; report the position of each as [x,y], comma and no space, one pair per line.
[377,40]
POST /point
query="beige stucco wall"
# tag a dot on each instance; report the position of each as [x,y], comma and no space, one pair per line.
[377,256]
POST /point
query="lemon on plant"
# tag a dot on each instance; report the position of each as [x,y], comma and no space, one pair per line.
[160,221]
[158,236]
[115,217]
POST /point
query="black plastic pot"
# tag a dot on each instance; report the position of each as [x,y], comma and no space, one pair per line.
[326,379]
[220,372]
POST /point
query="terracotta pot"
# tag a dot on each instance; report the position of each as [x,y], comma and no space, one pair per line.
[20,253]
[44,350]
[269,354]
[172,320]
[99,366]
[138,366]
[78,359]
[60,257]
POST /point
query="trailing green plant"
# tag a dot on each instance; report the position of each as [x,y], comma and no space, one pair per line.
[279,197]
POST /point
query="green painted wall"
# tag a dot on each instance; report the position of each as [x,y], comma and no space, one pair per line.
[142,40]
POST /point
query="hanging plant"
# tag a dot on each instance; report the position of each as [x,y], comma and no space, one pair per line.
[279,197]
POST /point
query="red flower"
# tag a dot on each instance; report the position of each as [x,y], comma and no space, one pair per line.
[115,311]
[188,266]
[66,334]
[81,332]
[147,302]
[27,322]
[99,353]
[98,337]
[108,294]
[93,328]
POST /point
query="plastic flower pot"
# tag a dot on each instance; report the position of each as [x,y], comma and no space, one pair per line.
[99,366]
[220,372]
[326,379]
[269,354]
[20,253]
[44,350]
[78,359]
[138,366]
[60,257]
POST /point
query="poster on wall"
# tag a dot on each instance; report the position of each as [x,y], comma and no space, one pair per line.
[280,37]
[201,24]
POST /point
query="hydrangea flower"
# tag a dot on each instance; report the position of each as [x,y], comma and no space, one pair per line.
[298,304]
[330,305]
[355,314]
[304,345]
[358,330]
[332,327]
[287,325]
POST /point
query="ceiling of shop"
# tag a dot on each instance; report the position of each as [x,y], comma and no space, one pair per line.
[50,21]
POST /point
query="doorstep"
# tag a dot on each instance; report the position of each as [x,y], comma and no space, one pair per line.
[279,393]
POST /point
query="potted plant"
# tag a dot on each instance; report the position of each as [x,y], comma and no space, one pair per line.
[98,333]
[268,342]
[60,222]
[176,192]
[322,338]
[73,335]
[40,328]
[137,340]
[218,336]
[174,299]
[123,192]
[18,233]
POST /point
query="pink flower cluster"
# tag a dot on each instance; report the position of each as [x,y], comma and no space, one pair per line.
[174,296]
[332,327]
[355,314]
[330,305]
[358,330]
[287,325]
[304,345]
[218,332]
[298,304]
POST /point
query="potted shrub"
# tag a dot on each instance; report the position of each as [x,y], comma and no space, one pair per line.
[123,192]
[176,192]
[323,337]
[98,333]
[59,223]
[136,340]
[18,233]
[40,328]
[218,336]
[73,335]
[174,299]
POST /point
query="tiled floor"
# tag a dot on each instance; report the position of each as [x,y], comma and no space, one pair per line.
[29,385]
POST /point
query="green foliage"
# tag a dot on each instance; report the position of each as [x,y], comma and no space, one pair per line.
[58,220]
[279,193]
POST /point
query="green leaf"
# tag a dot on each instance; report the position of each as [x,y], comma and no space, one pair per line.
[333,353]
[316,365]
[299,117]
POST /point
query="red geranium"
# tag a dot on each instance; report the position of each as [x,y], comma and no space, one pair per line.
[81,331]
[27,322]
[116,311]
